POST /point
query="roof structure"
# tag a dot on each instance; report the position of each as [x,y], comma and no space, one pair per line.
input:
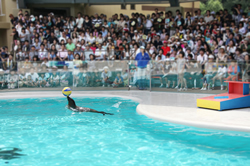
[103,2]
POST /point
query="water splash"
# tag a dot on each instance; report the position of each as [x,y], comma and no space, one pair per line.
[116,105]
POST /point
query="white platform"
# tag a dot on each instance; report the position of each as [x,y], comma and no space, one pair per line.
[177,108]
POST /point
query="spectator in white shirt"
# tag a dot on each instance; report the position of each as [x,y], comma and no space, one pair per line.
[63,37]
[136,36]
[99,53]
[19,27]
[121,23]
[79,21]
[33,75]
[162,57]
[202,58]
[81,37]
[221,73]
[42,53]
[242,29]
[244,19]
[149,23]
[22,35]
[208,17]
[231,47]
[37,44]
[88,52]
[99,39]
[190,42]
[187,52]
[91,39]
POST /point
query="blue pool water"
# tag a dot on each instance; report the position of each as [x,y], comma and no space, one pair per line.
[49,135]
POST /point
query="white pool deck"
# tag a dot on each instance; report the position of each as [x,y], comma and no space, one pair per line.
[179,108]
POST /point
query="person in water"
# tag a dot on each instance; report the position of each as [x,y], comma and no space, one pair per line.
[72,106]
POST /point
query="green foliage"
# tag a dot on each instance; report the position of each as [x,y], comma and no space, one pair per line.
[228,4]
[216,5]
[212,5]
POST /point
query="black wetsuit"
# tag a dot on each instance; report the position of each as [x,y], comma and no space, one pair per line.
[72,106]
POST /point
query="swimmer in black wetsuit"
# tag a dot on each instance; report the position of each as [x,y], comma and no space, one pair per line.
[72,106]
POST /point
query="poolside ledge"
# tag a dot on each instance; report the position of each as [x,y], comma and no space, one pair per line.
[233,120]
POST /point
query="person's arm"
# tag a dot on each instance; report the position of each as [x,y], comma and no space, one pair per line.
[188,66]
[237,10]
[65,58]
[238,70]
[49,55]
[229,72]
[58,55]
[121,80]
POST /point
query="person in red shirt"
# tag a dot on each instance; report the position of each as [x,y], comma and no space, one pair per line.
[165,48]
[214,31]
[207,30]
[93,47]
[153,34]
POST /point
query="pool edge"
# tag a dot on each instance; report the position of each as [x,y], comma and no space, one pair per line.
[199,124]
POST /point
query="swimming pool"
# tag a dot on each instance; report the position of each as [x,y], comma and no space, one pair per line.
[49,134]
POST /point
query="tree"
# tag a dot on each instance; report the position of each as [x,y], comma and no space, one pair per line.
[228,4]
[216,5]
[212,5]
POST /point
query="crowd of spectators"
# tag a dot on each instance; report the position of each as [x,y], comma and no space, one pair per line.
[218,43]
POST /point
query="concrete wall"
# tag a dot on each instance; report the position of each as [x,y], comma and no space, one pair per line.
[8,6]
[3,34]
[74,8]
[109,10]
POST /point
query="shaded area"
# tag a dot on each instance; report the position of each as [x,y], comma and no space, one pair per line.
[10,153]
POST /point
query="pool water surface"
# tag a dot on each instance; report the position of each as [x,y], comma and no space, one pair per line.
[49,134]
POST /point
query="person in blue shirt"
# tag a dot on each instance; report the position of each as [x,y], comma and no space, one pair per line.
[142,59]
[67,33]
[231,37]
[110,22]
[70,56]
[44,28]
[118,81]
[4,53]
[104,32]
[248,15]
[52,56]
